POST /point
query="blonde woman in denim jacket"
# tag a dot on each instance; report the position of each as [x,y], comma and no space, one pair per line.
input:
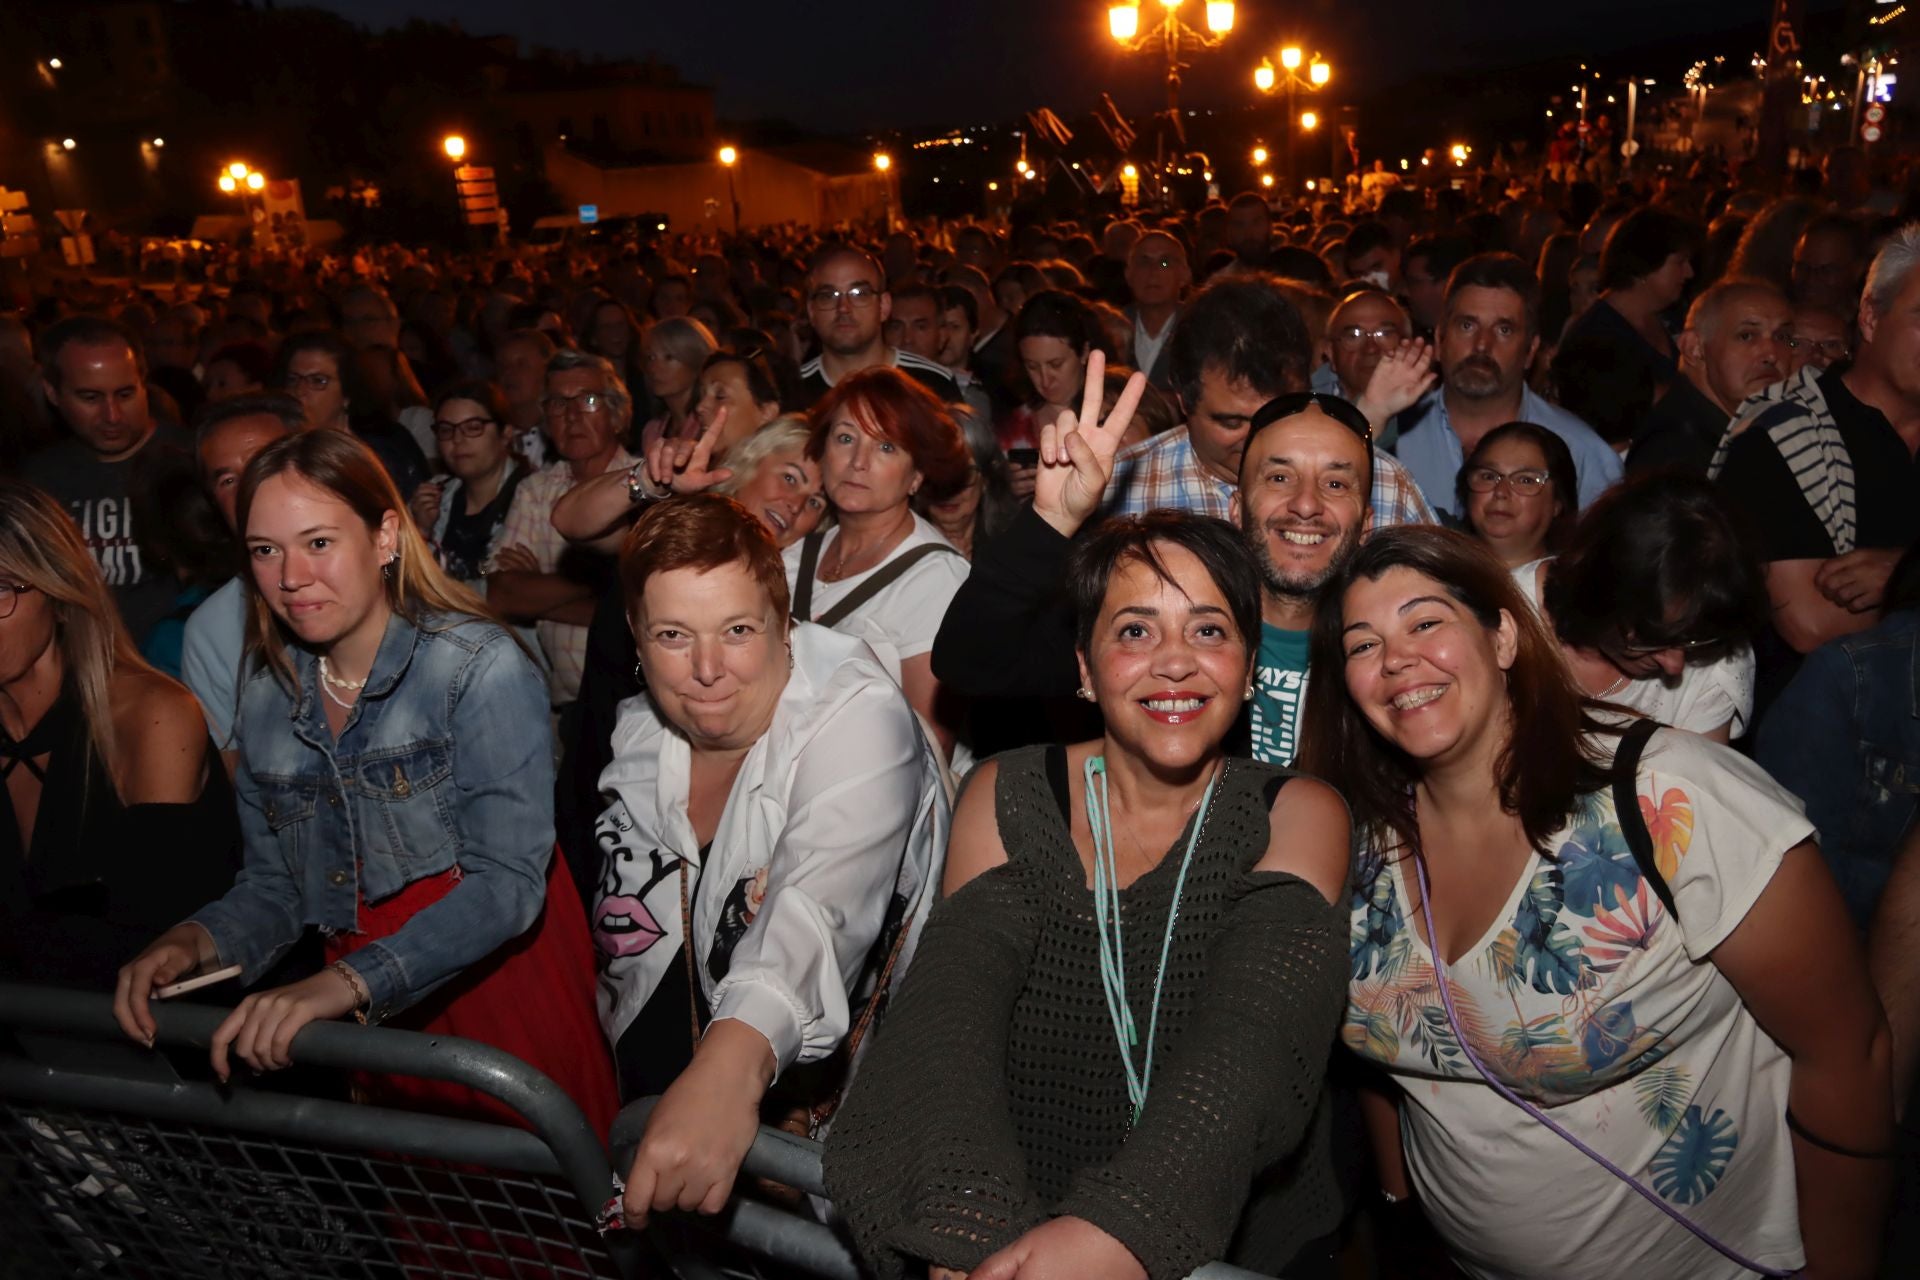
[390,795]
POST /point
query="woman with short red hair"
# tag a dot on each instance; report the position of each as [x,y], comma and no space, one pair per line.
[885,574]
[777,825]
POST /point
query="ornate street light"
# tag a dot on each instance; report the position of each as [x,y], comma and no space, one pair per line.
[1173,36]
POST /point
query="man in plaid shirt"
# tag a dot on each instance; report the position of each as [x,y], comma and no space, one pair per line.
[1237,348]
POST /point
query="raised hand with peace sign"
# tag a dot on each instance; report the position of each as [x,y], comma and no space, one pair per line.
[1077,451]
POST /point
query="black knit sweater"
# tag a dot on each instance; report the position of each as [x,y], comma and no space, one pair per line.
[994,1096]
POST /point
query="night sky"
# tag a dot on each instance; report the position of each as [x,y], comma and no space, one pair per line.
[865,64]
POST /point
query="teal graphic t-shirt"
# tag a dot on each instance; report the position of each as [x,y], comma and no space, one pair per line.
[1279,690]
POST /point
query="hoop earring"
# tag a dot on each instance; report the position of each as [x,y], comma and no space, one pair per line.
[1248,695]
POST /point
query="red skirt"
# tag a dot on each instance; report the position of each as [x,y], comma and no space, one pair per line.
[532,998]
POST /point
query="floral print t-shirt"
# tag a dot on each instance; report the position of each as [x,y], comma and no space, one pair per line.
[1586,998]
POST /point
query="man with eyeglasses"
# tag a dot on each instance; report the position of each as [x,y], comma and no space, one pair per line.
[1820,337]
[1736,344]
[1158,277]
[93,380]
[1364,326]
[538,576]
[848,304]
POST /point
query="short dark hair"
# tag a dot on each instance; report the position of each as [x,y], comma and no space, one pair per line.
[1499,271]
[1054,313]
[1368,236]
[916,290]
[483,393]
[85,331]
[1246,327]
[1442,254]
[1218,546]
[1297,262]
[1561,474]
[347,364]
[1658,558]
[251,358]
[1251,200]
[260,404]
[953,297]
[1641,243]
[762,384]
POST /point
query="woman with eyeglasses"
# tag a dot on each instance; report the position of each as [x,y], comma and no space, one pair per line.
[322,372]
[464,516]
[1655,601]
[1519,492]
[1541,996]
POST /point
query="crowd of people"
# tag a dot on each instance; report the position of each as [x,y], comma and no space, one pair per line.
[875,682]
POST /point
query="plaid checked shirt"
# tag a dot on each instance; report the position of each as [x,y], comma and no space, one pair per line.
[1163,472]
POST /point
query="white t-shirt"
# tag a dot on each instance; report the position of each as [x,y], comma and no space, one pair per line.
[1706,696]
[901,621]
[1588,1001]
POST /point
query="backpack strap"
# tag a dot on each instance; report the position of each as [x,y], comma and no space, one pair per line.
[882,578]
[803,582]
[1626,807]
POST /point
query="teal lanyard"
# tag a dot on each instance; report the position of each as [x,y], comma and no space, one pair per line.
[1106,918]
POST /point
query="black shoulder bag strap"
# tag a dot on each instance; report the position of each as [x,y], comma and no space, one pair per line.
[1626,807]
[803,584]
[883,577]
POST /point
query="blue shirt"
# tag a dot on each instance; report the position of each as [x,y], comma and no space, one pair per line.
[1429,448]
[445,761]
[210,656]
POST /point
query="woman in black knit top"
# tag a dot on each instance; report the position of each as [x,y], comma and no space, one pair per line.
[1002,1124]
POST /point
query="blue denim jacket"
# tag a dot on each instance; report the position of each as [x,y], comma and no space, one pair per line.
[445,761]
[1844,736]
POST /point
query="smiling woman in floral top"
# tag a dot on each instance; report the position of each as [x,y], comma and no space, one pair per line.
[1725,1051]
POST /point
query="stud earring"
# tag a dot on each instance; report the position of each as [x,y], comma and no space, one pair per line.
[1248,695]
[1083,692]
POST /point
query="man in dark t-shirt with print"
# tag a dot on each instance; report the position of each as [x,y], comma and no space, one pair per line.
[94,381]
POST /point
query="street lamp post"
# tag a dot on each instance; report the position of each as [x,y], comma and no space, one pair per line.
[728,158]
[883,165]
[242,180]
[1288,78]
[1172,35]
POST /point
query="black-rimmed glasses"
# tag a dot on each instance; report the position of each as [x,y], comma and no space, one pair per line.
[465,429]
[10,597]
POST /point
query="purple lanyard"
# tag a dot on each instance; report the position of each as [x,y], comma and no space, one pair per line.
[1466,1047]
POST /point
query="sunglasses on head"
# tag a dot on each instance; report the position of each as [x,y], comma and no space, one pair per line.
[1295,403]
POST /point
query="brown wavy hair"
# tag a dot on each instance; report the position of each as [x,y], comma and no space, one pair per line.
[1549,761]
[347,469]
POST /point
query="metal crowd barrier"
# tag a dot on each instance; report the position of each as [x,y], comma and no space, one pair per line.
[112,1165]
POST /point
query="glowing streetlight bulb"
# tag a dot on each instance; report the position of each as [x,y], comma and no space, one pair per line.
[1320,73]
[1290,58]
[55,63]
[1129,172]
[1220,16]
[454,145]
[256,180]
[882,161]
[1266,179]
[1309,120]
[1459,152]
[227,184]
[1259,155]
[1124,20]
[68,144]
[159,142]
[1263,76]
[237,170]
[728,155]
